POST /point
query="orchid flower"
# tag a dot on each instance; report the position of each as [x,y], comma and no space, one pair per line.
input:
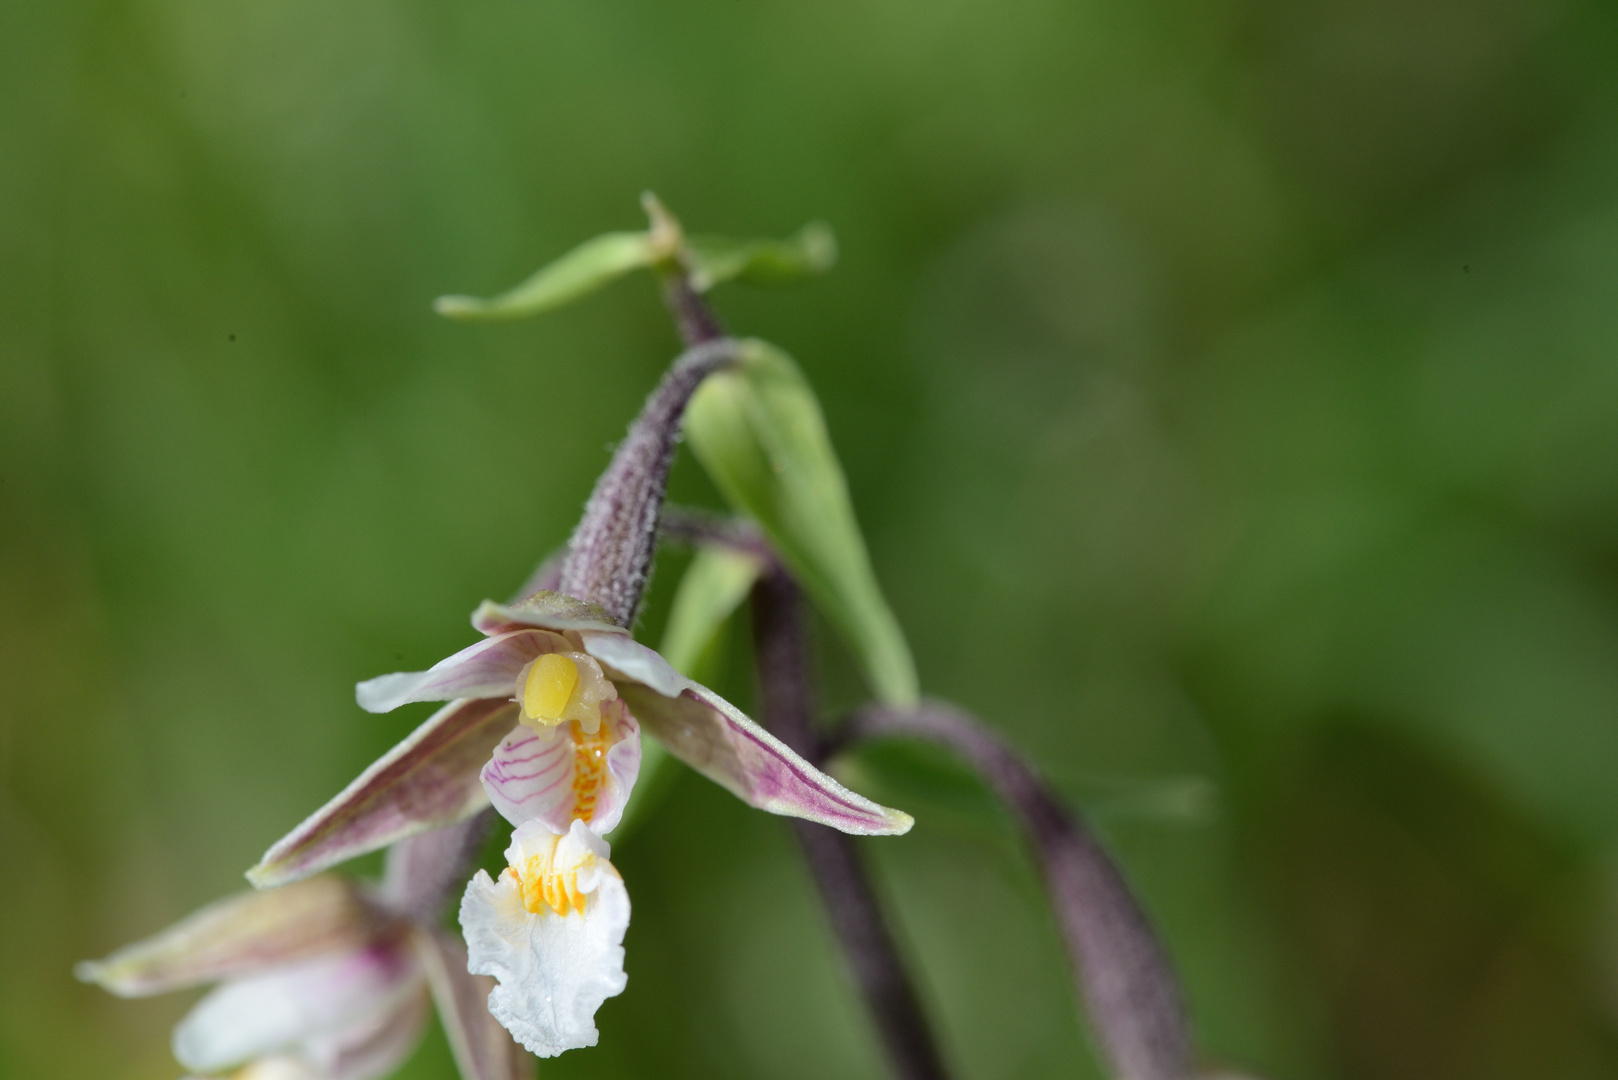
[555,696]
[544,722]
[325,979]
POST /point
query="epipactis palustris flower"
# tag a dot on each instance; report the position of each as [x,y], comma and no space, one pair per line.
[320,980]
[544,722]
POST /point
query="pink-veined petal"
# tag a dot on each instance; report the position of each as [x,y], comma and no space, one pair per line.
[536,775]
[246,932]
[483,1049]
[717,739]
[425,782]
[554,971]
[283,1009]
[486,669]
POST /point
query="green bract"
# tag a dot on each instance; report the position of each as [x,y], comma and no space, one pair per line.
[758,430]
[608,257]
[717,259]
[714,586]
[580,272]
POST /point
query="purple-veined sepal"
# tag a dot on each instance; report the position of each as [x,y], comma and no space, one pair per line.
[428,781]
[243,933]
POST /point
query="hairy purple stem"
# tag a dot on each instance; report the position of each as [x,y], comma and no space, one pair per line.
[704,528]
[693,318]
[610,556]
[1124,976]
[786,704]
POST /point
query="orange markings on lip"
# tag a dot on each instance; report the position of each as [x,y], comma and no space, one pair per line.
[589,767]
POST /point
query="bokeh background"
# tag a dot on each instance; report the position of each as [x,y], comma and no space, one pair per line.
[1229,389]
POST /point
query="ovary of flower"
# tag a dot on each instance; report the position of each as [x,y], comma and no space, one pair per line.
[560,686]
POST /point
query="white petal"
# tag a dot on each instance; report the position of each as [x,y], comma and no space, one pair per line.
[487,669]
[630,658]
[554,971]
[282,1008]
[531,775]
[376,1046]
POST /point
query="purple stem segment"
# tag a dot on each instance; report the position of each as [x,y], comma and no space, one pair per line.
[786,706]
[1124,976]
[609,559]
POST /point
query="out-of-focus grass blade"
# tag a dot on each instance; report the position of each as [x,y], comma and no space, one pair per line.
[714,585]
[762,262]
[758,430]
[580,272]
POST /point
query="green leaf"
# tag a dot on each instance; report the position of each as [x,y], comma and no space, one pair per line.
[717,259]
[758,430]
[580,272]
[714,585]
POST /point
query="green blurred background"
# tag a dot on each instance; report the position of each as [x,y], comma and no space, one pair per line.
[1229,389]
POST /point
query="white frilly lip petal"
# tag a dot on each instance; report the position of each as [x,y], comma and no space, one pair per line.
[486,669]
[282,1009]
[553,971]
[530,776]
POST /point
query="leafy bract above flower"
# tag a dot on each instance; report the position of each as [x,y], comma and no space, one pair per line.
[757,428]
[550,930]
[547,662]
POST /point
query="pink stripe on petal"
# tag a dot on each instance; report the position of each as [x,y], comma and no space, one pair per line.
[718,740]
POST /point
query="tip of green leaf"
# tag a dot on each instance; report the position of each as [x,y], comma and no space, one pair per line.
[460,307]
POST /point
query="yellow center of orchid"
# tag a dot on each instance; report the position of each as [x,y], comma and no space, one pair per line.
[564,685]
[552,678]
[546,882]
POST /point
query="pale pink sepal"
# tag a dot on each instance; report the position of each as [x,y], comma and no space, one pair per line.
[316,1008]
[242,933]
[531,775]
[486,669]
[425,782]
[544,610]
[483,1049]
[717,739]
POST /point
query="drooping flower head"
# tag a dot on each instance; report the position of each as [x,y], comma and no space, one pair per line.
[544,722]
[325,979]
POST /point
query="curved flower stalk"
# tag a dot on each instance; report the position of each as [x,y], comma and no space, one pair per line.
[324,979]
